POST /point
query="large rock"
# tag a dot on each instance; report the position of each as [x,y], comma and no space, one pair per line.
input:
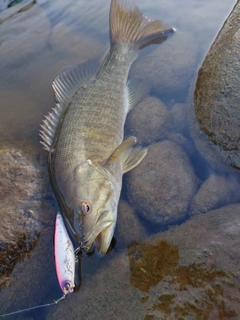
[190,272]
[216,98]
[127,217]
[25,202]
[149,121]
[179,117]
[161,187]
[215,192]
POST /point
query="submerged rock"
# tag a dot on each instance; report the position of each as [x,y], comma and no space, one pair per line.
[179,117]
[149,121]
[161,187]
[217,97]
[25,204]
[215,192]
[190,271]
[129,227]
[169,67]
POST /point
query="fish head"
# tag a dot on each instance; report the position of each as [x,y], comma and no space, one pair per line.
[95,206]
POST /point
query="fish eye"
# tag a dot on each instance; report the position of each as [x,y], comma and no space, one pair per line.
[66,286]
[85,207]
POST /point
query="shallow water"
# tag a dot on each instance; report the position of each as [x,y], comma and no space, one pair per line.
[37,40]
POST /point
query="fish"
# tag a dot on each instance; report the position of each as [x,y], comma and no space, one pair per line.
[84,132]
[64,257]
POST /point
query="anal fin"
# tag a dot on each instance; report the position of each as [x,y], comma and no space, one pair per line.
[137,90]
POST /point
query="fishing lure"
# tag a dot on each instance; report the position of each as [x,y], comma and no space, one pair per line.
[64,256]
[65,261]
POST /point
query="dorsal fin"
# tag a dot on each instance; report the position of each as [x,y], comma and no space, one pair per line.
[65,85]
[71,79]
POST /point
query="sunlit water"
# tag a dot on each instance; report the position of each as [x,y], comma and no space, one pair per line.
[35,45]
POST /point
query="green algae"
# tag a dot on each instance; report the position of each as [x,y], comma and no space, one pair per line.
[149,264]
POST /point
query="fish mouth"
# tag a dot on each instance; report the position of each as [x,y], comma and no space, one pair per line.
[100,233]
[103,240]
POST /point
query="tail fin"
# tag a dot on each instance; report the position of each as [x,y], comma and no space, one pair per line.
[129,25]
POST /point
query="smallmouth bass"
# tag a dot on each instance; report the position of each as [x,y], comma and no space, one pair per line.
[84,132]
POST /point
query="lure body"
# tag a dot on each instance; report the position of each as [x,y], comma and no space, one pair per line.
[64,256]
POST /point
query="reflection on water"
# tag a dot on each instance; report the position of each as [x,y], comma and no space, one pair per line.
[37,40]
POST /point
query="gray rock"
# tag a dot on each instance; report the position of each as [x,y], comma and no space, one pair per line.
[190,271]
[169,67]
[161,187]
[149,121]
[179,117]
[216,191]
[186,144]
[129,228]
[216,98]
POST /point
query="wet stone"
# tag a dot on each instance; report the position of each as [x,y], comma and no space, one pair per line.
[149,129]
[179,117]
[215,192]
[161,187]
[25,201]
[216,121]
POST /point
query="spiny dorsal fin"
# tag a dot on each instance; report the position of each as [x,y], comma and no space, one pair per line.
[71,79]
[128,154]
[137,90]
[129,25]
[49,127]
[65,85]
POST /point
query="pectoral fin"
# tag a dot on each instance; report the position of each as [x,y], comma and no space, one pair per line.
[128,154]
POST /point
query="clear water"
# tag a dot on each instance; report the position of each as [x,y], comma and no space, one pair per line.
[35,45]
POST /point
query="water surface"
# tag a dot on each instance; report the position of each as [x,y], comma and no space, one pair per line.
[36,43]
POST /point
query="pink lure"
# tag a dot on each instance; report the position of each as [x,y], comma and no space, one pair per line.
[64,256]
